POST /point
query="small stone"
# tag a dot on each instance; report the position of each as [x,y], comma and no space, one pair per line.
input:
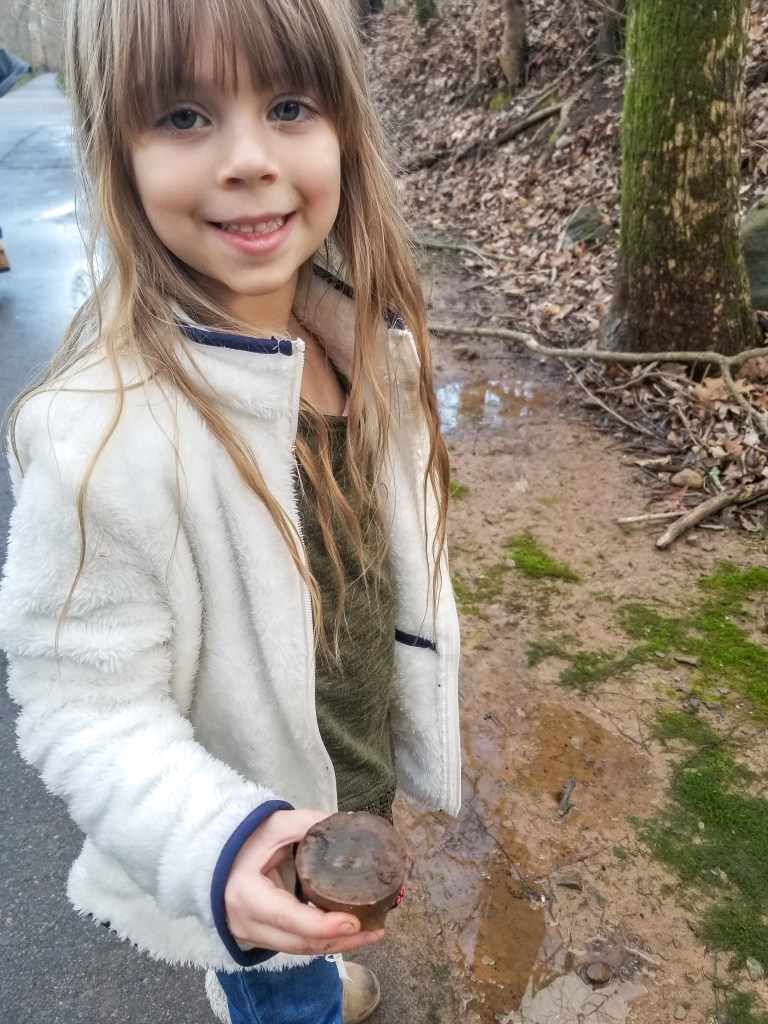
[570,882]
[755,969]
[464,352]
[644,887]
[702,826]
[587,224]
[598,974]
[665,953]
[687,659]
[680,1012]
[688,478]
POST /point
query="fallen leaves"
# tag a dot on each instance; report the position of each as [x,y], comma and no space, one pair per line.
[515,201]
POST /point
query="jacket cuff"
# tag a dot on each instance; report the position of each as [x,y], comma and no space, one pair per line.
[243,832]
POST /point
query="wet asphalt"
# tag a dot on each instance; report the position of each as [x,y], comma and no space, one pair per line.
[54,967]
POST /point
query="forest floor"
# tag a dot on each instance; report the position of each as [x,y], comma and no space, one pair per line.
[610,861]
[614,700]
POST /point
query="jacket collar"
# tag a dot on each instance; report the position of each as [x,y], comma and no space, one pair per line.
[325,305]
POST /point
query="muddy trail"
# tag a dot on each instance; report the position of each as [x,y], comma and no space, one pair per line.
[565,892]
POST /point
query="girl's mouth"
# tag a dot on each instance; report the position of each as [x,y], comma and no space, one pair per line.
[251,228]
[254,237]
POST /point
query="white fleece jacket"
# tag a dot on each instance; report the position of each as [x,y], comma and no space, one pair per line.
[177,694]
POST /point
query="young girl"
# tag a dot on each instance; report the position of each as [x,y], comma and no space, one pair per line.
[226,606]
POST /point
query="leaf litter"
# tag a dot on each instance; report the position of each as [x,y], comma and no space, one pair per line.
[510,211]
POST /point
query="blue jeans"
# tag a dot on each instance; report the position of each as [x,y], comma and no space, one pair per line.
[309,994]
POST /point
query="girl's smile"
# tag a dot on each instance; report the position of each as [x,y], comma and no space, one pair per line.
[243,187]
[254,235]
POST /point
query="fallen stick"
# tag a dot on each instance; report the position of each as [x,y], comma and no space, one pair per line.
[612,412]
[600,354]
[651,517]
[709,507]
[439,246]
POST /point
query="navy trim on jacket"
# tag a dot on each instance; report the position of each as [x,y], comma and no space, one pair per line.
[411,640]
[220,339]
[243,832]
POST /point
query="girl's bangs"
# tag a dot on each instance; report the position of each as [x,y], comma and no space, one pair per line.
[280,44]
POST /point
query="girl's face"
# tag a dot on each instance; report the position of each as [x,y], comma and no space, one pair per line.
[242,187]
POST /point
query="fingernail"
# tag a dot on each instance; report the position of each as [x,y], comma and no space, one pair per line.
[348,929]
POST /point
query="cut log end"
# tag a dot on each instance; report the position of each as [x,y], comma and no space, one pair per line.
[355,863]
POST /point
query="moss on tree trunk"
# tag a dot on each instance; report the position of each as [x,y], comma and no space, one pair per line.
[681,281]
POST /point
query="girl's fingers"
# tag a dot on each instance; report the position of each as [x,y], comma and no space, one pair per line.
[287,942]
[262,912]
[282,911]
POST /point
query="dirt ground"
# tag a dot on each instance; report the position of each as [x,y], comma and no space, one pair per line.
[511,903]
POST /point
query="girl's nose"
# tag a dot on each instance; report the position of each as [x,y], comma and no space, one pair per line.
[248,155]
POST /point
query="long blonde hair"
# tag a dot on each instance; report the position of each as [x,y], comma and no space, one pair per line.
[126,59]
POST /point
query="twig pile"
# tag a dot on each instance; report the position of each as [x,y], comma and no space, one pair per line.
[702,449]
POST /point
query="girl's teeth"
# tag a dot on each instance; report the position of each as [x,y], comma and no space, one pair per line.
[255,229]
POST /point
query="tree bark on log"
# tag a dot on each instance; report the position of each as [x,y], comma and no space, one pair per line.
[512,57]
[355,863]
[681,281]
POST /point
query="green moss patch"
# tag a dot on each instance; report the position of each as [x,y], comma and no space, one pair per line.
[457,490]
[713,835]
[738,1008]
[474,594]
[590,668]
[710,636]
[523,555]
[533,562]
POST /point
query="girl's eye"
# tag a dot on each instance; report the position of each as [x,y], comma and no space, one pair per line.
[290,111]
[183,120]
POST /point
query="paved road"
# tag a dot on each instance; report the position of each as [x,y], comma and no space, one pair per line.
[54,968]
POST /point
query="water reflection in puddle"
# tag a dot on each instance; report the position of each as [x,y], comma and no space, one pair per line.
[557,993]
[492,921]
[487,893]
[491,402]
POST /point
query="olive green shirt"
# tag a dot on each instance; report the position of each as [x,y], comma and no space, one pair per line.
[352,689]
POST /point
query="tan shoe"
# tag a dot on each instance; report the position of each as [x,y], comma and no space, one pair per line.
[362,994]
[4,262]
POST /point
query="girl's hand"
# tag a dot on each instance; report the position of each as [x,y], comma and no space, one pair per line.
[260,910]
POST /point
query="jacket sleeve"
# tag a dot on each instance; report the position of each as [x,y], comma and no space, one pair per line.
[97,717]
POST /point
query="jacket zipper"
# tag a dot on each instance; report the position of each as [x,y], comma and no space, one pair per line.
[451,721]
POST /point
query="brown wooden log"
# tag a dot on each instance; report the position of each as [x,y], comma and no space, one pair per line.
[355,863]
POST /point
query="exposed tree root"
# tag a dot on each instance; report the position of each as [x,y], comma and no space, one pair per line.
[726,363]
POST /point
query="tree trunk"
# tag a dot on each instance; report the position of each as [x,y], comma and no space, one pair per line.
[512,55]
[681,280]
[426,10]
[610,37]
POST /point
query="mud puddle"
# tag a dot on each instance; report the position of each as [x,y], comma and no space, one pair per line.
[492,877]
[489,403]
